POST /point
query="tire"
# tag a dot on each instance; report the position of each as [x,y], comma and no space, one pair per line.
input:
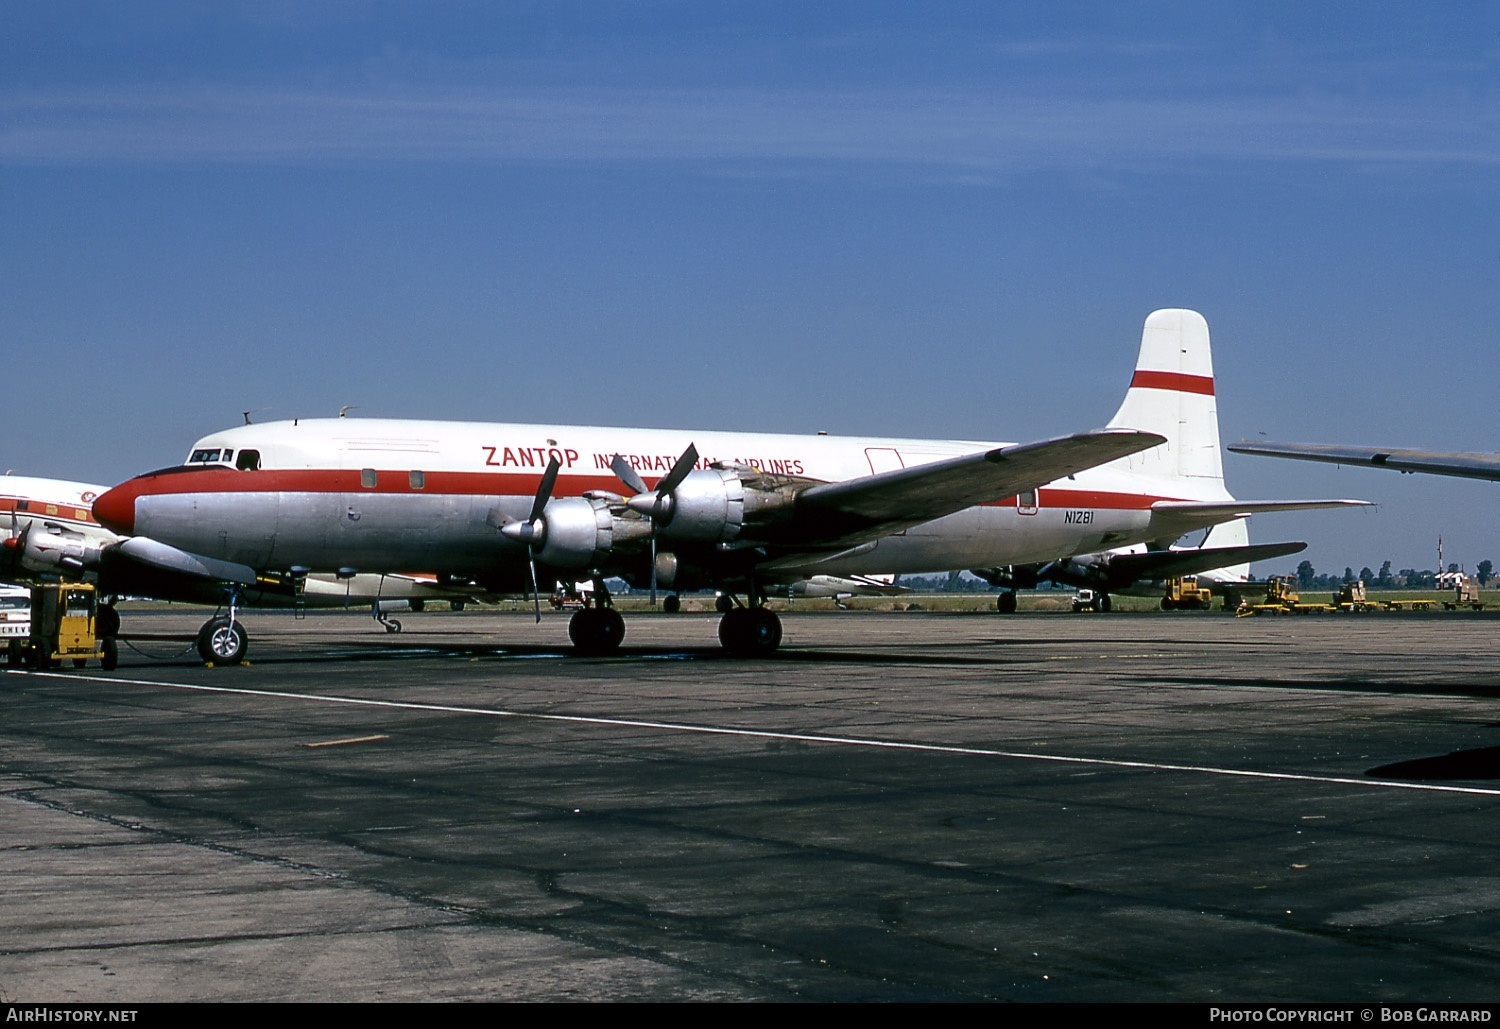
[1005,603]
[723,603]
[750,632]
[596,631]
[106,622]
[222,642]
[457,605]
[1102,603]
[109,660]
[417,606]
[672,604]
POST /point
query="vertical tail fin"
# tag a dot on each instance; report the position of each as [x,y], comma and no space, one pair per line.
[1172,393]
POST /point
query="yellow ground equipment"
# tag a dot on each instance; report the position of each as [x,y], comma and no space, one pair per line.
[1184,594]
[1352,597]
[64,627]
[1462,591]
[1281,598]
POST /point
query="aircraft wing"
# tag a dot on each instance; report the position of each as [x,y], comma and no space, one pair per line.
[1162,564]
[858,510]
[846,586]
[138,566]
[1432,462]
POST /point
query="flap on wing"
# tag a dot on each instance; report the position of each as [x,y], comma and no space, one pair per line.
[1161,564]
[1433,462]
[875,505]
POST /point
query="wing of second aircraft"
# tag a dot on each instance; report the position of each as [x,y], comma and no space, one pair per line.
[1432,462]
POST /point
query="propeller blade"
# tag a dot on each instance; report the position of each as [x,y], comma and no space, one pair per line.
[536,596]
[628,475]
[653,566]
[544,490]
[680,470]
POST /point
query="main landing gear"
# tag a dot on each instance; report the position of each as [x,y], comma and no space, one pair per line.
[753,630]
[596,628]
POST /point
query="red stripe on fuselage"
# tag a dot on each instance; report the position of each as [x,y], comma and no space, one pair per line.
[116,508]
[1179,382]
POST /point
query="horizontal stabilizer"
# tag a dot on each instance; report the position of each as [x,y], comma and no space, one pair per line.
[1173,518]
[1162,564]
[876,505]
[1227,509]
[1432,462]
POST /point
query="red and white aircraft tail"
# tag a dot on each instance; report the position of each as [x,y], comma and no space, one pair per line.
[1172,395]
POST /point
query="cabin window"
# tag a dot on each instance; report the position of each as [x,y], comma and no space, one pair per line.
[416,479]
[367,478]
[249,461]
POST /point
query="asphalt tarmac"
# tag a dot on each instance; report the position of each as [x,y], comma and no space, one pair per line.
[913,806]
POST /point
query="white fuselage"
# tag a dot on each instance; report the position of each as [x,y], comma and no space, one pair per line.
[382,496]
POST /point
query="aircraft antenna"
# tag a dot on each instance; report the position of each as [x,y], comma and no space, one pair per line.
[347,408]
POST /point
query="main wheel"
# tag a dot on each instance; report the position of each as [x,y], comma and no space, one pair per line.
[109,660]
[596,630]
[1101,602]
[723,603]
[672,604]
[222,642]
[106,621]
[750,632]
[1005,603]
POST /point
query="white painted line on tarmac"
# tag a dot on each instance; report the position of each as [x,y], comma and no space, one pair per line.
[845,741]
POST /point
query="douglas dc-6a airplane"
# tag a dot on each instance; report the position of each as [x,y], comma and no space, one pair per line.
[511,507]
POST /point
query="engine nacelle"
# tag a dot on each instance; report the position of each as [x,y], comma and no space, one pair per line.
[580,532]
[712,505]
[708,504]
[673,573]
[49,547]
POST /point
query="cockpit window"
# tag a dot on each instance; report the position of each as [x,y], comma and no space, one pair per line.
[249,461]
[212,455]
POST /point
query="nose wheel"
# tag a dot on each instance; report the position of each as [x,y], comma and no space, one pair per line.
[222,641]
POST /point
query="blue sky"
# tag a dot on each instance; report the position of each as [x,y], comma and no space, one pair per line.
[937,220]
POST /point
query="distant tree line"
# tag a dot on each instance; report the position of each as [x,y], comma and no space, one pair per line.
[1405,579]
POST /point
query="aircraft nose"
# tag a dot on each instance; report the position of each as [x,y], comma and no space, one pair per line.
[115,508]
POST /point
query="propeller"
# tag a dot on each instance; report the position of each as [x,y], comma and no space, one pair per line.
[658,504]
[15,543]
[533,531]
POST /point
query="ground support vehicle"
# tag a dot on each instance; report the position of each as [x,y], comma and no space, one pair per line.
[1090,600]
[15,621]
[66,623]
[1184,594]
